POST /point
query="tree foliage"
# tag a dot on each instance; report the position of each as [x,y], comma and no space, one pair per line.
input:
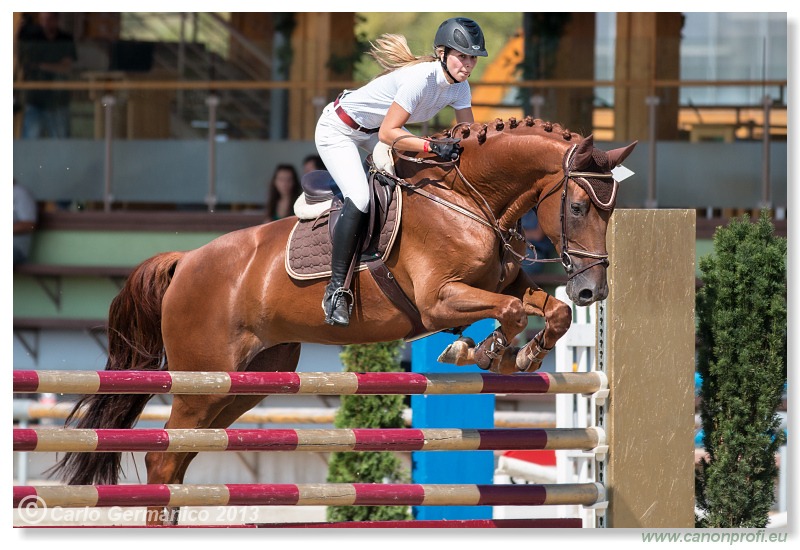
[742,330]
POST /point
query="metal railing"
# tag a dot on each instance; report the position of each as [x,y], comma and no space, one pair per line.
[324,89]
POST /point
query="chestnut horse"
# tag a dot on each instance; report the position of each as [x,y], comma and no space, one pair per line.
[231,306]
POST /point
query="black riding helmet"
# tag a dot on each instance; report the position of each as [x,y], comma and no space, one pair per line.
[461,34]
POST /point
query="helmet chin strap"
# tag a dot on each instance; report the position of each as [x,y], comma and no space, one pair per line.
[444,66]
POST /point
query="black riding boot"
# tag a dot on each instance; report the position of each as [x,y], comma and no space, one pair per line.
[346,234]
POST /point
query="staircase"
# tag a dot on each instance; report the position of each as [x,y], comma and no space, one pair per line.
[193,46]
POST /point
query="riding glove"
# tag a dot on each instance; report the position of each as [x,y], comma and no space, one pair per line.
[447,149]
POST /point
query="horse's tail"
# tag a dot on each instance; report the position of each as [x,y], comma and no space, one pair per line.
[134,343]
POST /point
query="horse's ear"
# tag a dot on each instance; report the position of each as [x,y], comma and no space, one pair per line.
[616,156]
[586,145]
[583,153]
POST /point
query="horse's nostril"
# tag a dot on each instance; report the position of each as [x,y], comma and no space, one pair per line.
[586,295]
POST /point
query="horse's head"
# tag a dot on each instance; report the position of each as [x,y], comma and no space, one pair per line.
[574,214]
[511,168]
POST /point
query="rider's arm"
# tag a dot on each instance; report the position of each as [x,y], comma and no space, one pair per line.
[465,115]
[392,128]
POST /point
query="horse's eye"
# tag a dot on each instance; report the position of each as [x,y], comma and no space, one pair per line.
[576,208]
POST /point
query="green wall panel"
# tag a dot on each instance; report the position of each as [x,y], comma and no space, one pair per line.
[126,248]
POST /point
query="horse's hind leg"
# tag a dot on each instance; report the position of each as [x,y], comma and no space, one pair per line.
[189,411]
[280,358]
[219,411]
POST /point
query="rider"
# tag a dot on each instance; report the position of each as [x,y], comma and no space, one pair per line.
[411,89]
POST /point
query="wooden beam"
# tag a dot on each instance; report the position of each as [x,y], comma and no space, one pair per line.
[647,345]
[647,49]
[317,37]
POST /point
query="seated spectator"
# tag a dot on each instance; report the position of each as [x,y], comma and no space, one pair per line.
[311,163]
[283,190]
[25,218]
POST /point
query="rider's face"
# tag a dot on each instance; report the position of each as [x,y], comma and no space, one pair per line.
[460,65]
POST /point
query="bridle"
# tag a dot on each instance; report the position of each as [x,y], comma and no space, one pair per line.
[508,235]
[568,253]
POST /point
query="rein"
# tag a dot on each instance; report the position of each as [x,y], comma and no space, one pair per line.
[490,220]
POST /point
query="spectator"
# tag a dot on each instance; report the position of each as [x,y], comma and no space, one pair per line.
[28,27]
[283,190]
[25,218]
[46,53]
[311,163]
[535,236]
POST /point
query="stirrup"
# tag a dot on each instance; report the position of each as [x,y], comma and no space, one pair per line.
[340,293]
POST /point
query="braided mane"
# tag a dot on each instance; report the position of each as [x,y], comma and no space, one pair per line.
[527,126]
[475,135]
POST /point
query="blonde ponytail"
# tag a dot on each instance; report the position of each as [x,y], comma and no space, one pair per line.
[391,51]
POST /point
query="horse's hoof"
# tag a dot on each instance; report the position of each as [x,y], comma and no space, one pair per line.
[526,363]
[457,353]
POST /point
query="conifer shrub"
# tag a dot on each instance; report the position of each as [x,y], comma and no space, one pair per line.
[742,330]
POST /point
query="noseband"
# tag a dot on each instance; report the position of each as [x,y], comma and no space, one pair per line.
[568,253]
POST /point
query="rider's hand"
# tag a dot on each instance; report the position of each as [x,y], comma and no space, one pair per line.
[447,149]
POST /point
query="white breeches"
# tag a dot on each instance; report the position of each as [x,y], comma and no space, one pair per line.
[338,145]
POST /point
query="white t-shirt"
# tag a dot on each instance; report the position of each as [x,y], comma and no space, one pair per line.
[421,89]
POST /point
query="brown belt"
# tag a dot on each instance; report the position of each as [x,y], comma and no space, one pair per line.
[349,121]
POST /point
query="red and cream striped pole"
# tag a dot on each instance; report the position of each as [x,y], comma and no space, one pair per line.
[335,494]
[401,439]
[327,383]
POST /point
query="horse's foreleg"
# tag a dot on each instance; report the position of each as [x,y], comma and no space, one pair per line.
[459,305]
[557,317]
[492,354]
[496,355]
[461,352]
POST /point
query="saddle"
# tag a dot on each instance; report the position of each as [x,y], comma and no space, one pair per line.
[308,250]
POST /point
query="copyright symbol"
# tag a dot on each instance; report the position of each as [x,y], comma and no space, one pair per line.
[32,509]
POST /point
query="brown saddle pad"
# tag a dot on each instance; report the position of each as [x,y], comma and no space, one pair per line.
[308,250]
